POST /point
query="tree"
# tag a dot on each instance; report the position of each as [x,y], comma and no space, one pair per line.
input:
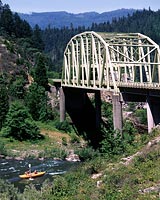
[4,101]
[40,75]
[16,89]
[107,115]
[1,6]
[21,28]
[37,102]
[37,38]
[6,20]
[19,124]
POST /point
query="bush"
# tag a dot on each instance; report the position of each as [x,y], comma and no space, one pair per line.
[74,138]
[87,153]
[128,132]
[116,143]
[19,124]
[142,115]
[7,191]
[63,126]
[131,106]
[2,148]
[64,141]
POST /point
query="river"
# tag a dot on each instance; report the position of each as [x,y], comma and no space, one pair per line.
[11,169]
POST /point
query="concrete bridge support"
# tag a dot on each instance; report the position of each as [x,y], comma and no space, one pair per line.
[81,113]
[62,105]
[77,102]
[117,112]
[153,112]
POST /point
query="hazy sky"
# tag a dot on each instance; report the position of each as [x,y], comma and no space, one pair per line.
[78,6]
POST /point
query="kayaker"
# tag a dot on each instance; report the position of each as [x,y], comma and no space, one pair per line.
[27,172]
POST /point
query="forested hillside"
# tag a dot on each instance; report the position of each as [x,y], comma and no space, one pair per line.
[146,22]
[23,77]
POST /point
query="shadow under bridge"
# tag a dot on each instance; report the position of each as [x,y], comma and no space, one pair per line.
[85,115]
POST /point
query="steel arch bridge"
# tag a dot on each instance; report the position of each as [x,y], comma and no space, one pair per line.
[109,61]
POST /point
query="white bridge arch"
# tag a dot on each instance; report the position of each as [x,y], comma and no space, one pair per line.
[109,61]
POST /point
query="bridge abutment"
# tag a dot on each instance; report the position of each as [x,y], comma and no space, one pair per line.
[78,101]
[153,112]
[62,105]
[117,112]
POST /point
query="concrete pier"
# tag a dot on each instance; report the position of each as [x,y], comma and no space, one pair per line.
[153,112]
[117,112]
[62,105]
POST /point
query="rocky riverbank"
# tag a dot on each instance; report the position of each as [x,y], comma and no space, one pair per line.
[51,147]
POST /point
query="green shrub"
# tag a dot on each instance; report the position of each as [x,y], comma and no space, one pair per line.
[112,144]
[7,191]
[87,153]
[131,106]
[63,126]
[52,75]
[9,45]
[20,61]
[60,188]
[74,138]
[30,193]
[142,115]
[2,148]
[128,132]
[19,124]
[64,141]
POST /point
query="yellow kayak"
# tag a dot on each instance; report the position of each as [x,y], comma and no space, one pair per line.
[32,175]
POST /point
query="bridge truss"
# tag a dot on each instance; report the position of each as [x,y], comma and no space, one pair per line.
[111,60]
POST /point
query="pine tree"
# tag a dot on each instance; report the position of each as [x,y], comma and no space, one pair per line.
[6,21]
[37,38]
[36,101]
[4,101]
[21,28]
[40,75]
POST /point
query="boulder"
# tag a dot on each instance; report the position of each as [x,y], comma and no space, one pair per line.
[72,157]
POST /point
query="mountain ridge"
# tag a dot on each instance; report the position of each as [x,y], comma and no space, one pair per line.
[61,19]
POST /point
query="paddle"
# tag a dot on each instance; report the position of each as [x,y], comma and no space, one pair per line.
[29,165]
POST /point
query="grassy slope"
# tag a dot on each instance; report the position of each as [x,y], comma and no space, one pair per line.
[43,148]
[133,177]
